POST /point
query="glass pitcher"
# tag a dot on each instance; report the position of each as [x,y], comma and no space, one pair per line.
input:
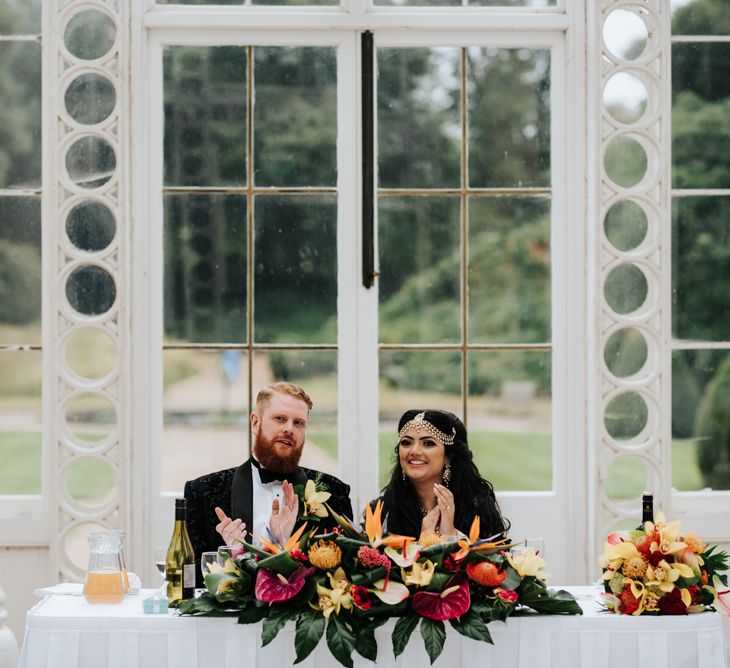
[104,580]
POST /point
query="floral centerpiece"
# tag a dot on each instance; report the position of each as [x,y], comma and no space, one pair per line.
[346,583]
[661,572]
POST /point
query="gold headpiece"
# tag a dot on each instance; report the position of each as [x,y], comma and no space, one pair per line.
[420,422]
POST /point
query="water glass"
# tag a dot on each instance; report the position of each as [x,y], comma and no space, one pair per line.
[206,559]
[224,552]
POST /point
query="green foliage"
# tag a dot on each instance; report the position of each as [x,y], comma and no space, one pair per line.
[309,630]
[713,430]
[402,632]
[433,633]
[702,17]
[20,283]
[473,626]
[340,640]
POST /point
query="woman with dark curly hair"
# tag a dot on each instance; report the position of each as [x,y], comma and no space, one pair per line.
[435,485]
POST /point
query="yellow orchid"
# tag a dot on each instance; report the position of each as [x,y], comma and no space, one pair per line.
[314,501]
[668,534]
[420,573]
[666,574]
[333,600]
[527,563]
[614,555]
[374,529]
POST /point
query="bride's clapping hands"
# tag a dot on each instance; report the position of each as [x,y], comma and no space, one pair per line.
[431,520]
[445,503]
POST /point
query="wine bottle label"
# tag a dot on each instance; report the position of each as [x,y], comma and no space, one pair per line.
[188,576]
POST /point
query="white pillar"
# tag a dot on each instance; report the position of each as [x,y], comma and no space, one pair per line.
[8,645]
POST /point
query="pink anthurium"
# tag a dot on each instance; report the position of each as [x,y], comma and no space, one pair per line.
[389,592]
[451,603]
[274,588]
[614,538]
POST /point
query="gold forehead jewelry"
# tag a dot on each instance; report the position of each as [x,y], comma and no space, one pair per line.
[420,422]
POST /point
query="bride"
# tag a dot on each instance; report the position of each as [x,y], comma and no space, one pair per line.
[435,487]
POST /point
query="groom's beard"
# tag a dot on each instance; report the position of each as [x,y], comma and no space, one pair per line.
[266,452]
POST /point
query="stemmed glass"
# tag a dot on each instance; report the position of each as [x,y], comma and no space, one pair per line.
[206,559]
[160,562]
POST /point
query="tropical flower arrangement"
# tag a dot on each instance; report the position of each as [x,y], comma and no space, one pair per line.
[658,571]
[346,583]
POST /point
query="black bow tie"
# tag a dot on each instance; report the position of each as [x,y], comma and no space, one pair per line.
[268,476]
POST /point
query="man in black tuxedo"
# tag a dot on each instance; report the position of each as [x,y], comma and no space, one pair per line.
[259,494]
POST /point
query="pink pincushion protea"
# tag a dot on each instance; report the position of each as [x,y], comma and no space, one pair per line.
[452,602]
[371,558]
[274,588]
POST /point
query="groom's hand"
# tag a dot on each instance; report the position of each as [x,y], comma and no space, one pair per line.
[284,515]
[232,531]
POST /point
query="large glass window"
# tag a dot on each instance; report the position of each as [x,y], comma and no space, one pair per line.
[700,245]
[464,207]
[20,248]
[250,275]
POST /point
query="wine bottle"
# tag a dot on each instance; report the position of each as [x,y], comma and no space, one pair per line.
[647,509]
[180,560]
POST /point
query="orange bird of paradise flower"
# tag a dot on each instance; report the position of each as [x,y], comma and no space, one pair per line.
[471,545]
[374,529]
[288,546]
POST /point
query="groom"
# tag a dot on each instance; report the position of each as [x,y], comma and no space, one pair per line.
[257,497]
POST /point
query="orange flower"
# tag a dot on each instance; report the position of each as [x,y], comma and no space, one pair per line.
[486,573]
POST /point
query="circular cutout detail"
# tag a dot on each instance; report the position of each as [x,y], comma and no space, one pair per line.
[76,545]
[90,418]
[625,225]
[626,352]
[90,481]
[90,162]
[91,226]
[626,289]
[90,98]
[625,161]
[625,34]
[90,34]
[90,290]
[90,353]
[626,416]
[628,477]
[625,98]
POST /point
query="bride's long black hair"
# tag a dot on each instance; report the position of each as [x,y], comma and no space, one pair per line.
[473,494]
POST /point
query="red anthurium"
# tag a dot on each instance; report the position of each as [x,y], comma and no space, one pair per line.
[274,588]
[452,602]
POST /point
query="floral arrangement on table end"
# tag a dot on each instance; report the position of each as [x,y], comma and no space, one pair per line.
[658,571]
[347,583]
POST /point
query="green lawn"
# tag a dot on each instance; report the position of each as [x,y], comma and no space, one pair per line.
[510,461]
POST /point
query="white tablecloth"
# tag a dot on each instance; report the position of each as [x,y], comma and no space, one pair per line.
[68,632]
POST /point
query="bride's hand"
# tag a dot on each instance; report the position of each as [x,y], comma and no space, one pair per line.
[430,520]
[445,502]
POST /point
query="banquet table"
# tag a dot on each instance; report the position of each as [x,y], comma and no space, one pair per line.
[68,632]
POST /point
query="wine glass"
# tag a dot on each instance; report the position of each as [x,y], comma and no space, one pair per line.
[224,552]
[206,559]
[160,562]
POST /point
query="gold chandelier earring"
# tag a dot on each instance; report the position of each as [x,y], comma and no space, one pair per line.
[446,475]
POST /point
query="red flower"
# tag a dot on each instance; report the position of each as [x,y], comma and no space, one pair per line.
[274,588]
[486,573]
[450,564]
[237,551]
[507,595]
[696,593]
[361,597]
[655,557]
[452,602]
[298,555]
[629,602]
[672,603]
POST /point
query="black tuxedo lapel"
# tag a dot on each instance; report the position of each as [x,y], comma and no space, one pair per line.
[242,495]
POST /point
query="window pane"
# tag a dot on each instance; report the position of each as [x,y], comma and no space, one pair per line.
[295,289]
[295,116]
[700,434]
[316,372]
[20,270]
[420,269]
[419,126]
[20,115]
[509,269]
[206,414]
[458,3]
[700,122]
[700,276]
[20,422]
[509,117]
[205,268]
[699,17]
[20,18]
[205,116]
[414,379]
[510,418]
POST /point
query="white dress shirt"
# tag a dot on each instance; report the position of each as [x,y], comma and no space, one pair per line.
[263,496]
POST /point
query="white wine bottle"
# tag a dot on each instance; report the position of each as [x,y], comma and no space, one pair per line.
[180,560]
[647,509]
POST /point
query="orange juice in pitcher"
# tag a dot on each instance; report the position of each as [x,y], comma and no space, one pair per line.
[104,581]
